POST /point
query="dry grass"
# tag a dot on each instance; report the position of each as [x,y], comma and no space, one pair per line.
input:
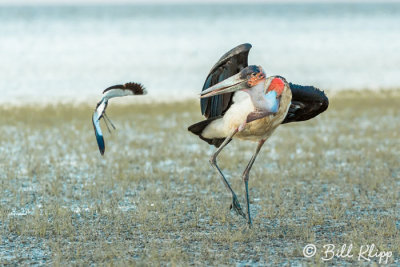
[153,198]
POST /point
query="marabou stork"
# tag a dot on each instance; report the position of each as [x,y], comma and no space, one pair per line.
[100,110]
[239,101]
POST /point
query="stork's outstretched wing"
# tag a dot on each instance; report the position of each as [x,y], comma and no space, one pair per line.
[307,102]
[100,111]
[229,64]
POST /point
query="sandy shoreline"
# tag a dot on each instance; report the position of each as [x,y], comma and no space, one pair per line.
[154,199]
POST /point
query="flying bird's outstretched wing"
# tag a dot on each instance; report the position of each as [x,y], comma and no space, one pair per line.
[307,102]
[100,111]
[228,65]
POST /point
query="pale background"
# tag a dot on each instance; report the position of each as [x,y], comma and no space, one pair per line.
[69,51]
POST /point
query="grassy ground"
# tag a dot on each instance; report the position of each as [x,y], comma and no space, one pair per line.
[154,198]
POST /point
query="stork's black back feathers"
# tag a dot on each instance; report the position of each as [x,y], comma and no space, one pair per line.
[307,102]
[228,65]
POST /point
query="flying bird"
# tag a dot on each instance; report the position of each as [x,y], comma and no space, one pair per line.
[100,110]
[240,101]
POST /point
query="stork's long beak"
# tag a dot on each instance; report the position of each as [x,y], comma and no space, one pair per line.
[232,84]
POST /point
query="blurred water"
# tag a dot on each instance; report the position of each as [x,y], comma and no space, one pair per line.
[69,53]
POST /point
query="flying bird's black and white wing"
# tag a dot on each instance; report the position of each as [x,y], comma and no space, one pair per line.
[228,65]
[100,111]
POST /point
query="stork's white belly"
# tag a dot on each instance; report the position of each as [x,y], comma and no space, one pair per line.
[237,114]
[233,118]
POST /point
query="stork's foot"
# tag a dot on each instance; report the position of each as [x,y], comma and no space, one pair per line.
[249,222]
[236,207]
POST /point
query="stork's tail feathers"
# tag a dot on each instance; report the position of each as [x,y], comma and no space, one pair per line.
[198,128]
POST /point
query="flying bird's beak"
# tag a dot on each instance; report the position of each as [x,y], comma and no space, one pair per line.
[232,84]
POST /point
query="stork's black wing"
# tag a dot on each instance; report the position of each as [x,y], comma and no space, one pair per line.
[307,102]
[229,64]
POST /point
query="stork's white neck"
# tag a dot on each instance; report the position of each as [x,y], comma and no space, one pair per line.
[257,95]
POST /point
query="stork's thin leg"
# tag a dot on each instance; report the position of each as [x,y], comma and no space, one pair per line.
[213,160]
[245,177]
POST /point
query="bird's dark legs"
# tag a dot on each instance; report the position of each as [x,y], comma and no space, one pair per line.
[213,160]
[245,177]
[106,118]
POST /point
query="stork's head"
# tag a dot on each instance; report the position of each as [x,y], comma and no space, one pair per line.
[244,80]
[253,74]
[275,83]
